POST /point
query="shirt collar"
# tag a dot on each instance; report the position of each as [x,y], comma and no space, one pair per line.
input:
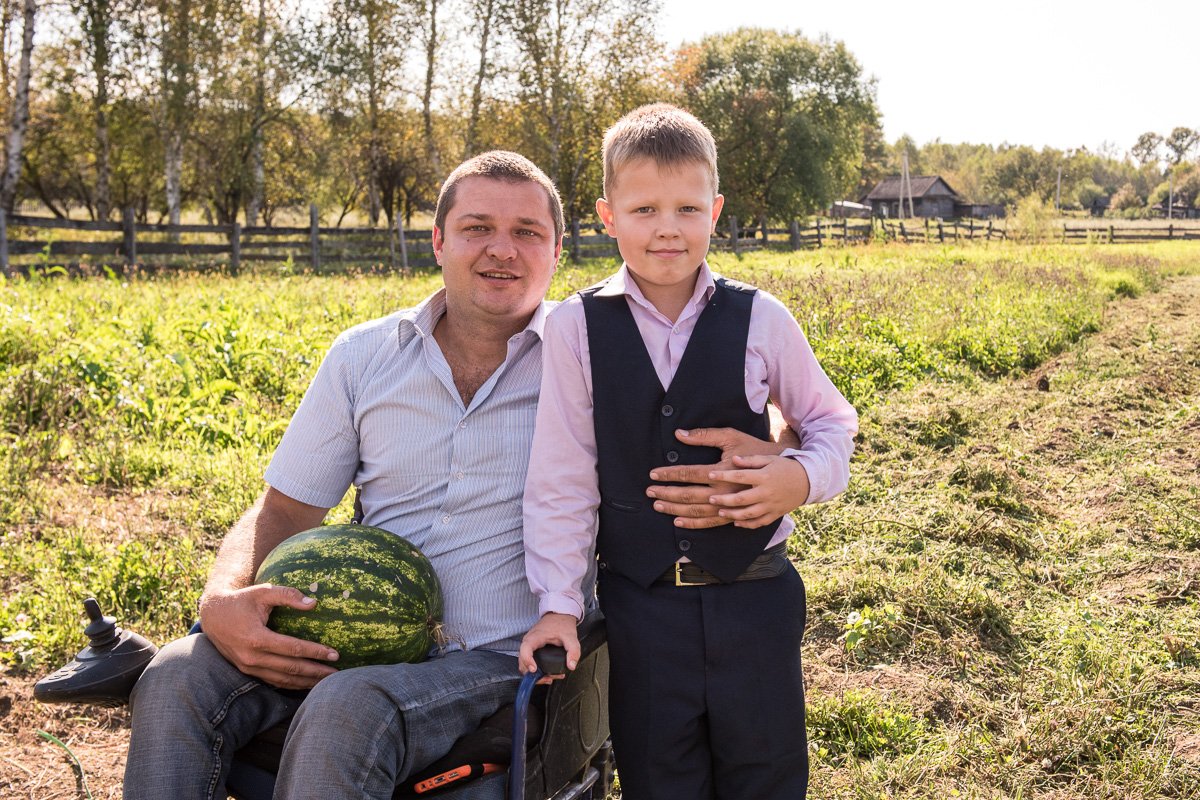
[622,283]
[421,319]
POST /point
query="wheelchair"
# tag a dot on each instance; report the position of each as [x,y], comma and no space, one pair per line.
[552,741]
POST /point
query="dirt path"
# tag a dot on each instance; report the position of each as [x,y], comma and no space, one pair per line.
[1143,376]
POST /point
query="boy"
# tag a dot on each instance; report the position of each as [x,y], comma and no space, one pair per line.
[704,626]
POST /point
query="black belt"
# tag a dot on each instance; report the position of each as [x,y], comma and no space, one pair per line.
[770,564]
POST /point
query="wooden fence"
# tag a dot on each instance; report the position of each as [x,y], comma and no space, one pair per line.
[1113,234]
[129,244]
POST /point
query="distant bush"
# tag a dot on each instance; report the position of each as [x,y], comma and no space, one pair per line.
[1031,221]
[1126,199]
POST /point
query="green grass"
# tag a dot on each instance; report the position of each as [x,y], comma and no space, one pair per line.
[998,606]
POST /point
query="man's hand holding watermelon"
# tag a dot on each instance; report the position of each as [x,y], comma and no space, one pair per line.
[234,612]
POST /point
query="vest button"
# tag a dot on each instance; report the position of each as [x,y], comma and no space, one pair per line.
[668,410]
[672,456]
[602,565]
[685,545]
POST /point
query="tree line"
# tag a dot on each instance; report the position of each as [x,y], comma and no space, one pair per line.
[241,110]
[1157,169]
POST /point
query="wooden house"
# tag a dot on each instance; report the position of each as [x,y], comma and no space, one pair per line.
[931,197]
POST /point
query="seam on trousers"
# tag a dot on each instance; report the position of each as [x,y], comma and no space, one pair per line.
[402,768]
[216,773]
[234,695]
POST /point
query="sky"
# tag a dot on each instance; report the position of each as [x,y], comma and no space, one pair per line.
[1057,73]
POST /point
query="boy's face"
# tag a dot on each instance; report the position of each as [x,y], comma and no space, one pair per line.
[662,218]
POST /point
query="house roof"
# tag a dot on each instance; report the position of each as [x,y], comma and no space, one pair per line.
[922,185]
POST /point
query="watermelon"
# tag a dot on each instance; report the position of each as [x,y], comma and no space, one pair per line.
[378,598]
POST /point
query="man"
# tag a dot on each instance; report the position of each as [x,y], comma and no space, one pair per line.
[429,411]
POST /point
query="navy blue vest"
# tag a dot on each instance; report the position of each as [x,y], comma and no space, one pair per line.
[636,420]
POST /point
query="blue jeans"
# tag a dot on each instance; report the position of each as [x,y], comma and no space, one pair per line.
[358,733]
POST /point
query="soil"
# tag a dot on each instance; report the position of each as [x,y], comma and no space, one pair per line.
[34,767]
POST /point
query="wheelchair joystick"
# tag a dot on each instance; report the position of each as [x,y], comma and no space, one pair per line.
[105,671]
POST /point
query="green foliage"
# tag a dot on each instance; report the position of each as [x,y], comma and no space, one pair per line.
[1126,199]
[861,724]
[1032,221]
[869,631]
[151,585]
[999,605]
[789,115]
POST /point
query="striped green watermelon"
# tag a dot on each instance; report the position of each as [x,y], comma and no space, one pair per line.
[378,598]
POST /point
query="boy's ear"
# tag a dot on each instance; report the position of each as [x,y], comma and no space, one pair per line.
[718,204]
[605,212]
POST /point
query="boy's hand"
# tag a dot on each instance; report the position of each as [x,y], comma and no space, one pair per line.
[552,628]
[777,485]
[691,505]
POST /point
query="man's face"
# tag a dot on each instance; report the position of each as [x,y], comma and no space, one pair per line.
[498,251]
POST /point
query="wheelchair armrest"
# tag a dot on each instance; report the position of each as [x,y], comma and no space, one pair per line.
[552,659]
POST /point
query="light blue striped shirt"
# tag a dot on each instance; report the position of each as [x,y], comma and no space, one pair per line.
[383,414]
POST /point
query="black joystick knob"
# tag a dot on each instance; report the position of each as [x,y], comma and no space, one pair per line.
[102,631]
[105,671]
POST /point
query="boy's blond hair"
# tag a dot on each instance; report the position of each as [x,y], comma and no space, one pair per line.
[662,132]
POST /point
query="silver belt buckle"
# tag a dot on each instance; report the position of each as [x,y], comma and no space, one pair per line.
[679,581]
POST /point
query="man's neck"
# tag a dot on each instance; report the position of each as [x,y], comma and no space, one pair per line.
[473,350]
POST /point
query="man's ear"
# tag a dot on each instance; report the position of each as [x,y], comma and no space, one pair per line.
[718,204]
[605,212]
[438,242]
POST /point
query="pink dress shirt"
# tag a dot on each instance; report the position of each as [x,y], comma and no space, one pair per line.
[561,487]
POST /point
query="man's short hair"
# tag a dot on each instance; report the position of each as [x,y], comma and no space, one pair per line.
[662,132]
[500,165]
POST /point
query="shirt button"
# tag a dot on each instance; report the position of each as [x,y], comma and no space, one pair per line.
[685,545]
[672,456]
[668,410]
[458,475]
[446,518]
[462,424]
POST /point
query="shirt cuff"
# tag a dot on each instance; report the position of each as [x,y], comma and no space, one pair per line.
[818,481]
[560,603]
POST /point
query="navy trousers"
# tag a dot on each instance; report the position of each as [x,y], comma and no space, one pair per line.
[706,694]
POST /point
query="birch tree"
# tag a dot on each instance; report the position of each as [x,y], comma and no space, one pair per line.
[18,119]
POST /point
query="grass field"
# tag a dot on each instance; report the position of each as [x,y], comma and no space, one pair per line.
[1003,605]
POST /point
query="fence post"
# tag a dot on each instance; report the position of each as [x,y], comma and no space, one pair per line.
[575,239]
[765,231]
[129,243]
[392,244]
[903,233]
[314,237]
[733,235]
[4,244]
[941,233]
[403,244]
[1171,231]
[820,235]
[235,249]
[794,233]
[1112,234]
[989,231]
[970,229]
[845,231]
